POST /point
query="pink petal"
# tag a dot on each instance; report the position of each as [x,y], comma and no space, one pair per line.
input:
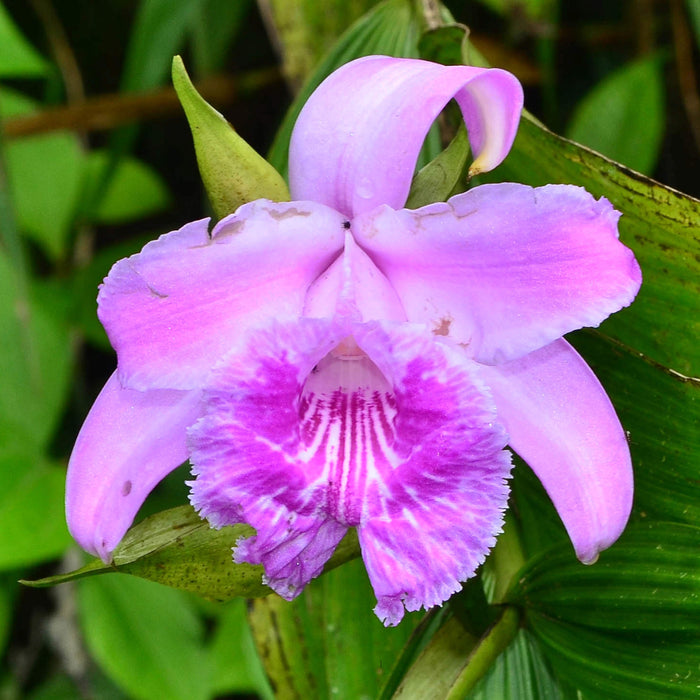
[356,142]
[504,269]
[175,308]
[128,443]
[430,521]
[563,425]
[292,548]
[245,453]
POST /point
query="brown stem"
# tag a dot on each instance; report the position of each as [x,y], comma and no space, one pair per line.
[109,111]
[61,49]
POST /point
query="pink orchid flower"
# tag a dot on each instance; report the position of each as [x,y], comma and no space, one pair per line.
[338,361]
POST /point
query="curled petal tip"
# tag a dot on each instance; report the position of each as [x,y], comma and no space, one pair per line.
[388,105]
[474,169]
[491,104]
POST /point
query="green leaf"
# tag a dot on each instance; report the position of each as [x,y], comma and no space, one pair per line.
[179,549]
[521,10]
[60,686]
[694,12]
[94,684]
[649,581]
[310,646]
[539,524]
[232,172]
[390,28]
[520,673]
[35,365]
[45,174]
[306,29]
[436,181]
[347,616]
[18,57]
[626,627]
[659,411]
[57,687]
[214,30]
[617,666]
[422,633]
[623,117]
[455,660]
[159,32]
[439,664]
[447,44]
[147,638]
[236,667]
[32,521]
[135,190]
[13,103]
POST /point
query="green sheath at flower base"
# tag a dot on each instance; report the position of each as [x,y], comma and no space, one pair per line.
[233,173]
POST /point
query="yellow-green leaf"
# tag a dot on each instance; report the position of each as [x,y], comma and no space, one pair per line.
[179,549]
[233,173]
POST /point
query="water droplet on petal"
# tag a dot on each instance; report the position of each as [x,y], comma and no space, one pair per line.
[365,188]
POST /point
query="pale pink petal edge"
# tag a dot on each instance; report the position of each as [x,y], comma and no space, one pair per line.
[562,423]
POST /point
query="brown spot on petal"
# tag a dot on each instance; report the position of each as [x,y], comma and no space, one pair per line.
[288,213]
[231,229]
[443,327]
[126,488]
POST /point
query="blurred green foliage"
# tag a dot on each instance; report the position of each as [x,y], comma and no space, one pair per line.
[84,183]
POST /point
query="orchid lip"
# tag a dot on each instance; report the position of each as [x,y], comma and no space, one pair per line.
[361,440]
